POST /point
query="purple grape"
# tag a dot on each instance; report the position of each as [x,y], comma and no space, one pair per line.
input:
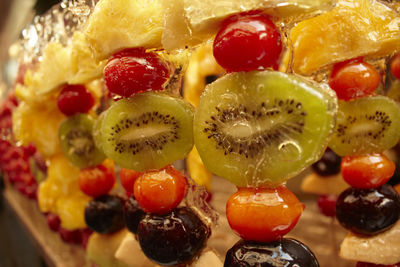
[285,252]
[329,164]
[368,211]
[173,238]
[132,214]
[104,214]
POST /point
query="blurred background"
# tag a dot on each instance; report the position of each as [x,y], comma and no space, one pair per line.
[16,249]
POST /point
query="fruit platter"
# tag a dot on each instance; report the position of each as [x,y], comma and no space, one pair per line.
[171,133]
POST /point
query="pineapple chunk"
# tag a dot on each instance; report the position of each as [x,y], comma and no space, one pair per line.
[383,248]
[118,24]
[331,185]
[197,170]
[130,252]
[352,29]
[101,249]
[196,21]
[38,125]
[71,210]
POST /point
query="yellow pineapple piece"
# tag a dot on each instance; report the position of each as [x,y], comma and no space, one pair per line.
[61,170]
[352,29]
[38,125]
[101,249]
[48,193]
[197,170]
[128,247]
[383,248]
[330,185]
[189,22]
[115,25]
[71,210]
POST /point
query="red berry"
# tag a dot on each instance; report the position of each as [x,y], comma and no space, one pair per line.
[97,181]
[53,221]
[85,234]
[263,214]
[134,70]
[354,78]
[160,191]
[70,236]
[128,178]
[327,205]
[395,66]
[367,171]
[248,41]
[74,99]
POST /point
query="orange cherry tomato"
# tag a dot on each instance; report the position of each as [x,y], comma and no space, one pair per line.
[97,181]
[367,171]
[160,191]
[128,178]
[354,78]
[263,214]
[395,66]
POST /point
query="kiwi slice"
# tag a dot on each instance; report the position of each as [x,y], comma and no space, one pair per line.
[77,142]
[261,128]
[366,125]
[147,131]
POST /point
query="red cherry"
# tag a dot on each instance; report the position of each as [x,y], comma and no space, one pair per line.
[128,178]
[74,99]
[134,70]
[354,78]
[395,66]
[327,205]
[98,180]
[248,41]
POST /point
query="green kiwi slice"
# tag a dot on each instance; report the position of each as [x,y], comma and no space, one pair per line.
[261,128]
[366,125]
[77,142]
[147,131]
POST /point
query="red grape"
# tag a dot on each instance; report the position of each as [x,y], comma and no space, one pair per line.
[74,99]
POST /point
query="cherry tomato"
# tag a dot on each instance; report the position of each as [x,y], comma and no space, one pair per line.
[134,70]
[263,215]
[248,41]
[354,78]
[160,191]
[128,178]
[74,99]
[367,171]
[395,66]
[97,181]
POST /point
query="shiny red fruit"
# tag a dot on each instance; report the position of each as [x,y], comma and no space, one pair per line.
[327,205]
[53,221]
[248,41]
[354,78]
[367,171]
[97,181]
[160,191]
[128,178]
[70,236]
[134,70]
[263,214]
[395,66]
[74,99]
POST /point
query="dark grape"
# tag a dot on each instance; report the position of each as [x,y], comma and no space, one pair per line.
[286,252]
[132,214]
[329,164]
[368,211]
[104,214]
[173,238]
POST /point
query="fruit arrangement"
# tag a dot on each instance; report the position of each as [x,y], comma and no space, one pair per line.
[103,108]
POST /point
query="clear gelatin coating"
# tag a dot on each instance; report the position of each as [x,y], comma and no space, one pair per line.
[366,125]
[147,131]
[261,128]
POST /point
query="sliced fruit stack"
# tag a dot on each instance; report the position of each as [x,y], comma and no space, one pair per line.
[253,127]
